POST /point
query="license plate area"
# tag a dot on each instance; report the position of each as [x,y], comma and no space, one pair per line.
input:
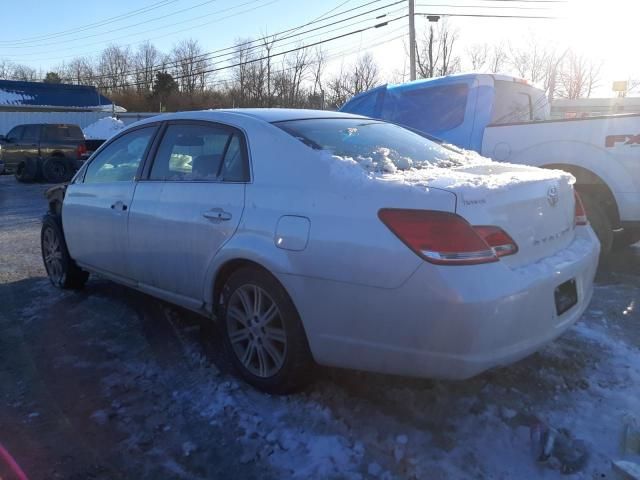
[566,296]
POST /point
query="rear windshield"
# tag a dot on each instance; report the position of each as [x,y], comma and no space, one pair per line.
[63,132]
[375,145]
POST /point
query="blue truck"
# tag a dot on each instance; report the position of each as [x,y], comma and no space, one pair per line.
[507,119]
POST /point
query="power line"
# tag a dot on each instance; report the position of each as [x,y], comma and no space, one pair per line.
[278,54]
[498,7]
[116,29]
[153,6]
[479,15]
[253,44]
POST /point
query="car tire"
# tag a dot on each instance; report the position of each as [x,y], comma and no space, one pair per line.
[625,239]
[54,170]
[600,223]
[25,172]
[61,269]
[262,333]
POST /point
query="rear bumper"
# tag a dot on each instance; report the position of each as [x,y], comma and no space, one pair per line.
[445,322]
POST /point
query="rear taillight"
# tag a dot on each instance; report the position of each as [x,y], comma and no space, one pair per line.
[499,241]
[446,238]
[580,216]
[81,150]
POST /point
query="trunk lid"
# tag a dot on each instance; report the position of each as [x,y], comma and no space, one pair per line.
[534,206]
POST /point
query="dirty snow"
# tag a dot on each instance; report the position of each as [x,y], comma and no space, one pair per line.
[103,129]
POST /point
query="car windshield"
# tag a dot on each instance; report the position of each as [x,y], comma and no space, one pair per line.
[375,145]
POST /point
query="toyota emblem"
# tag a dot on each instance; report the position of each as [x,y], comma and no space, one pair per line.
[552,196]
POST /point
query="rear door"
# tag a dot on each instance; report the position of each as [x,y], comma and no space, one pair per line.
[189,205]
[96,206]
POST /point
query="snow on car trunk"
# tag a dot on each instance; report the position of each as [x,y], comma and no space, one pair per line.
[532,205]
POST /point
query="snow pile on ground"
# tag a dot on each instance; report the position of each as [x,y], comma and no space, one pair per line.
[103,129]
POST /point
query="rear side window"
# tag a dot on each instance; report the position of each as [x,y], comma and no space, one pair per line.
[119,160]
[515,103]
[63,132]
[431,110]
[31,133]
[200,153]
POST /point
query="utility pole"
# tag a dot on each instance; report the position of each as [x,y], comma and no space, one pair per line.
[412,41]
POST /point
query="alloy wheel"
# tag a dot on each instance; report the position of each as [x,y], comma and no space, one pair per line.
[256,331]
[53,255]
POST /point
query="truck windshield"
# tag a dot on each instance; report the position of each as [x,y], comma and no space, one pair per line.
[375,145]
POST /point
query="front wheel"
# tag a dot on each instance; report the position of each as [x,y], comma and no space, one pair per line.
[61,269]
[263,335]
[25,172]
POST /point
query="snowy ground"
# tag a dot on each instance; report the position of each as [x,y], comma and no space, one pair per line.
[110,383]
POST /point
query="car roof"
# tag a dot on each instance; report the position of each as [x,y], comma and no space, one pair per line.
[265,114]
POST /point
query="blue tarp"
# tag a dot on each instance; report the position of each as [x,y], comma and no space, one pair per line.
[14,93]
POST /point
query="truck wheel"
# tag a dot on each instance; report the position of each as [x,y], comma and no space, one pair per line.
[599,222]
[627,238]
[263,336]
[54,170]
[25,172]
[61,269]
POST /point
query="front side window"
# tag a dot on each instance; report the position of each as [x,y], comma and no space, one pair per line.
[119,160]
[199,153]
[431,110]
[375,145]
[31,133]
[15,134]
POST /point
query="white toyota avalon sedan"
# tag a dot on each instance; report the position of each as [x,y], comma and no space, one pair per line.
[328,238]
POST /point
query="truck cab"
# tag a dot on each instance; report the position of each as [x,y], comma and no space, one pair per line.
[50,151]
[508,120]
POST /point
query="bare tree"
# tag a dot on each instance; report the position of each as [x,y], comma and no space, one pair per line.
[113,68]
[578,75]
[24,73]
[6,69]
[319,64]
[357,78]
[145,63]
[477,55]
[80,71]
[190,66]
[497,58]
[435,51]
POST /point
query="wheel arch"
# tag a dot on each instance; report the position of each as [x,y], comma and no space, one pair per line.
[590,183]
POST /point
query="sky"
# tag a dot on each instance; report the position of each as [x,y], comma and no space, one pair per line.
[45,34]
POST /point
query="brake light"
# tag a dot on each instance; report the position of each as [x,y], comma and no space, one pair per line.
[446,238]
[81,150]
[580,216]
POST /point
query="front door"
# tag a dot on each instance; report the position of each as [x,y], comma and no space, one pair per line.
[188,207]
[11,149]
[96,207]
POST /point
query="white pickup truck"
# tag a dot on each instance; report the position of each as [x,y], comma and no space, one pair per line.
[507,119]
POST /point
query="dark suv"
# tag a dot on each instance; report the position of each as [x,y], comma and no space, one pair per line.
[52,152]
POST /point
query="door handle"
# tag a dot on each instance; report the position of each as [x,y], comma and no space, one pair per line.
[217,215]
[119,206]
